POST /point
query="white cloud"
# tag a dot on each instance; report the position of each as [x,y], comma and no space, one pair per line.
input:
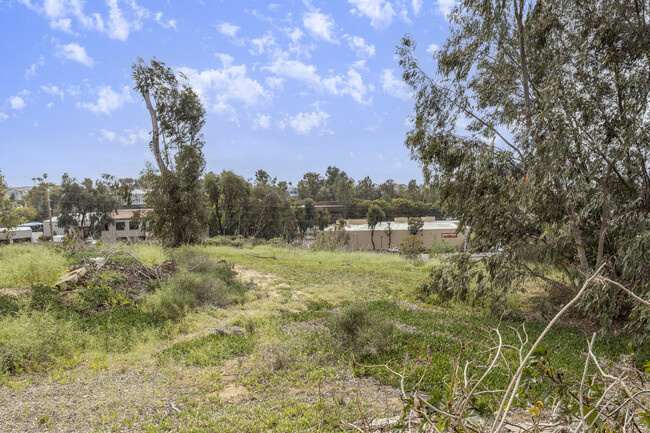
[393,86]
[275,83]
[359,45]
[53,90]
[50,104]
[166,24]
[417,6]
[380,12]
[107,135]
[31,72]
[228,29]
[261,45]
[445,7]
[3,116]
[352,84]
[304,123]
[62,24]
[75,52]
[62,14]
[432,48]
[319,25]
[133,136]
[17,103]
[219,87]
[261,121]
[294,34]
[118,26]
[129,138]
[351,154]
[356,88]
[108,100]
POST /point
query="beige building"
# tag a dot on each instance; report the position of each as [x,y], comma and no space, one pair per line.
[433,232]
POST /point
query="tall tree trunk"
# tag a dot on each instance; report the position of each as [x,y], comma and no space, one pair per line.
[155,134]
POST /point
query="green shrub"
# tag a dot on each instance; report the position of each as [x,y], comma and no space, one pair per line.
[227,241]
[332,240]
[188,290]
[8,305]
[411,246]
[44,297]
[461,279]
[442,247]
[359,331]
[195,259]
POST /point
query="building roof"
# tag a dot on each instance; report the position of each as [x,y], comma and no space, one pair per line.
[428,225]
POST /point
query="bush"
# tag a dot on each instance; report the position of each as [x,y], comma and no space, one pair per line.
[411,247]
[188,290]
[332,240]
[359,331]
[442,247]
[195,260]
[228,241]
[8,305]
[461,279]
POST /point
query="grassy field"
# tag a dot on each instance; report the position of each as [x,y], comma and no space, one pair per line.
[236,339]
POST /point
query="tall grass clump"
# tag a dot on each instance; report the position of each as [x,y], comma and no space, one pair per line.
[359,331]
[150,254]
[37,340]
[28,265]
[201,281]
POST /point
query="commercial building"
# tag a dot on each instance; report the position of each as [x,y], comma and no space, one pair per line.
[432,232]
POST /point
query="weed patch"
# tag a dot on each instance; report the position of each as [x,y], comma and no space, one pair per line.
[25,266]
[209,350]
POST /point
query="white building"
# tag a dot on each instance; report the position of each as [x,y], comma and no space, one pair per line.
[122,229]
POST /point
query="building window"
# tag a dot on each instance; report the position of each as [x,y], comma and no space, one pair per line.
[120,225]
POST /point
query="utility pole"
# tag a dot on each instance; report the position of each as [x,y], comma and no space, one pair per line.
[49,211]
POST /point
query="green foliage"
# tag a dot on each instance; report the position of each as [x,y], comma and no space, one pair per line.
[415,224]
[209,350]
[44,298]
[177,197]
[442,247]
[86,206]
[24,266]
[552,169]
[360,331]
[188,290]
[332,240]
[411,246]
[374,216]
[36,340]
[178,200]
[8,305]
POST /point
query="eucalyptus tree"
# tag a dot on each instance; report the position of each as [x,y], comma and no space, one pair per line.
[180,209]
[374,216]
[552,167]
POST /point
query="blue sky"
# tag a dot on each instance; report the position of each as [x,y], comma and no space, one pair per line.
[289,86]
